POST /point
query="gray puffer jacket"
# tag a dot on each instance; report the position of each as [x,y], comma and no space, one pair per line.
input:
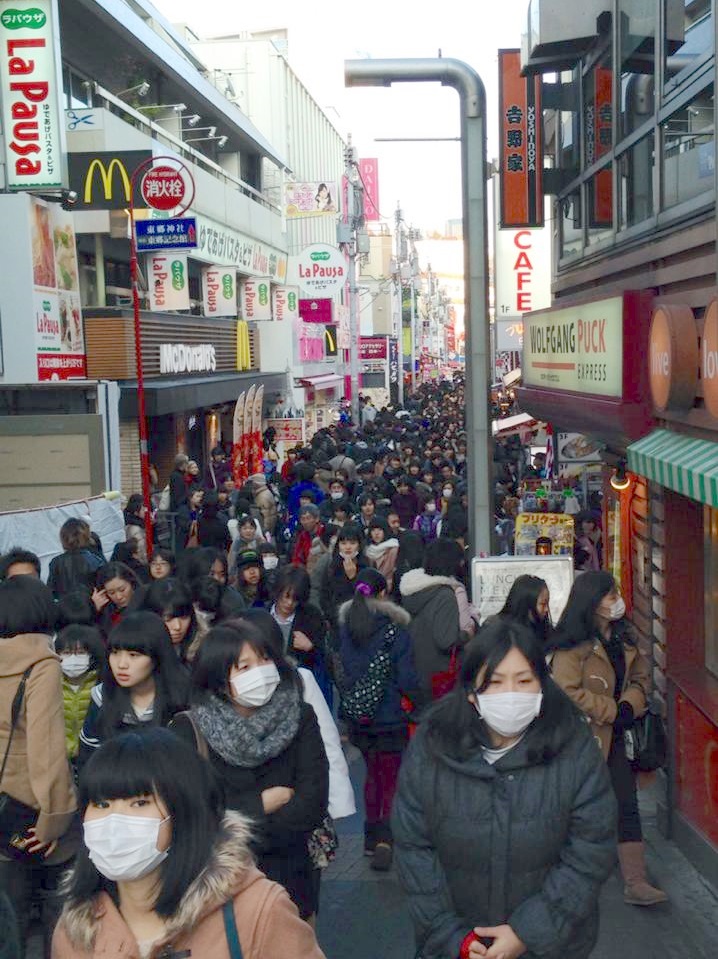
[435,629]
[523,842]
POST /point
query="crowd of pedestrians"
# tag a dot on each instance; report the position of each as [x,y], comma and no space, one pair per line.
[173,725]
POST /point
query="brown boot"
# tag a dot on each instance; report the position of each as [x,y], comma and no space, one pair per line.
[637,890]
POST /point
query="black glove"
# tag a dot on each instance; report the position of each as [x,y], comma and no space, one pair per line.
[625,718]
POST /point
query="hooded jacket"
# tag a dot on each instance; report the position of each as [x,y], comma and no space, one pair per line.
[267,921]
[403,681]
[435,630]
[524,842]
[37,771]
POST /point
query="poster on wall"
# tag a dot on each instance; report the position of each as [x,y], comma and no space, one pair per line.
[556,527]
[219,291]
[493,577]
[317,198]
[168,282]
[59,333]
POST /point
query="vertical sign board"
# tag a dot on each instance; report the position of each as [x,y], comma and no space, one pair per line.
[520,149]
[219,291]
[256,298]
[285,303]
[168,282]
[394,370]
[369,173]
[30,91]
[599,132]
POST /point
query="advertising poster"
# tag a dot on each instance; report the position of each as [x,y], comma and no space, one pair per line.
[219,291]
[558,527]
[168,281]
[492,579]
[59,333]
[319,270]
[256,299]
[317,198]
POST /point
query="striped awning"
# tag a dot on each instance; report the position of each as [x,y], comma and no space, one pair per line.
[681,463]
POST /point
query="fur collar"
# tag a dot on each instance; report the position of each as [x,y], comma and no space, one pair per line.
[376,550]
[225,874]
[417,580]
[382,607]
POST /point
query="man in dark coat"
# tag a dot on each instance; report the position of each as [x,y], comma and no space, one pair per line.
[178,487]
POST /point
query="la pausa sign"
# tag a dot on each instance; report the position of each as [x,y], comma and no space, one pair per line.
[577,348]
[320,270]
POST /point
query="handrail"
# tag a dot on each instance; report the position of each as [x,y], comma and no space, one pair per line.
[178,143]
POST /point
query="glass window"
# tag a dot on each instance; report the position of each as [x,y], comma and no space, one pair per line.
[688,157]
[636,182]
[598,109]
[689,37]
[636,20]
[599,205]
[570,219]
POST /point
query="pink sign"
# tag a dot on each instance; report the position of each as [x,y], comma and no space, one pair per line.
[316,311]
[369,171]
[372,348]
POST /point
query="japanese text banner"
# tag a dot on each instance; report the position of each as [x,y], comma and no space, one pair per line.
[520,149]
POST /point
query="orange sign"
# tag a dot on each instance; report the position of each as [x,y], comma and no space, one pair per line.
[521,144]
[709,358]
[599,134]
[673,357]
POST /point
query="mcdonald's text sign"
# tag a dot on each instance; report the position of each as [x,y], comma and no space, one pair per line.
[103,181]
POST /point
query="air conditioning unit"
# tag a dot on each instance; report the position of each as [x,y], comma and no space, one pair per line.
[558,33]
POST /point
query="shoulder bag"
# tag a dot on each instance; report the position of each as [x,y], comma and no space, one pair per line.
[359,702]
[443,682]
[646,742]
[230,930]
[15,817]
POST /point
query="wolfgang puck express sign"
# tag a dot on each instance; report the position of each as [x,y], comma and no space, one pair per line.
[578,348]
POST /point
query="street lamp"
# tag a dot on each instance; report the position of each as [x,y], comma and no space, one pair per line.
[468,84]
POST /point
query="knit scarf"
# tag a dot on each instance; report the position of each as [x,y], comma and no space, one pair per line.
[250,741]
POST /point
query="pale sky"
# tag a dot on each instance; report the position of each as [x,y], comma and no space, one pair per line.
[423,177]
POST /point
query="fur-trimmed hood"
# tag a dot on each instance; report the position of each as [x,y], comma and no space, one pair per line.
[229,870]
[417,580]
[382,607]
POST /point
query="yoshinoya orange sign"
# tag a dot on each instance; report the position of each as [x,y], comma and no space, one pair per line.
[673,357]
[521,154]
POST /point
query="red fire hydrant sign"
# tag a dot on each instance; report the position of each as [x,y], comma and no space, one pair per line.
[163,188]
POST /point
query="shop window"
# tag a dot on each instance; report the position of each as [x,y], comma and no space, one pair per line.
[571,230]
[710,567]
[683,55]
[688,157]
[636,25]
[599,205]
[76,89]
[636,182]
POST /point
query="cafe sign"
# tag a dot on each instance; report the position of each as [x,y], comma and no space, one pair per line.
[30,93]
[578,348]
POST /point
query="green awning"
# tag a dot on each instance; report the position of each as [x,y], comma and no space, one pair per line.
[681,463]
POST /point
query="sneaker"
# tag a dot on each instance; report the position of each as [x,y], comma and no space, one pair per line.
[382,858]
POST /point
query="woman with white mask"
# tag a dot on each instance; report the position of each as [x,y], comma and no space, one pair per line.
[595,659]
[504,820]
[263,742]
[163,870]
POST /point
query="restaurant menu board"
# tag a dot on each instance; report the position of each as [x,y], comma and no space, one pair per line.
[558,527]
[492,579]
[59,333]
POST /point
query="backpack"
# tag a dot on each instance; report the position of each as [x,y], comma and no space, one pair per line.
[164,501]
[359,702]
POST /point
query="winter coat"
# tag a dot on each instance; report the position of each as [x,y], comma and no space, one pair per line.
[267,505]
[428,525]
[280,838]
[267,922]
[214,532]
[407,506]
[76,701]
[178,490]
[586,675]
[302,545]
[435,627]
[37,771]
[73,570]
[135,532]
[389,717]
[382,556]
[523,842]
[337,588]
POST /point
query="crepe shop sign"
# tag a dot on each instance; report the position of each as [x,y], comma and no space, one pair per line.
[29,94]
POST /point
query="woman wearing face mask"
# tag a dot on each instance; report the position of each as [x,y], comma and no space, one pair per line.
[339,578]
[81,651]
[427,522]
[143,682]
[264,746]
[382,549]
[36,772]
[528,604]
[172,602]
[507,752]
[595,659]
[164,870]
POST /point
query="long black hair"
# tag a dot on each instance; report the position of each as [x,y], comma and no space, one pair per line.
[169,598]
[521,604]
[361,618]
[578,620]
[262,620]
[153,762]
[454,726]
[143,632]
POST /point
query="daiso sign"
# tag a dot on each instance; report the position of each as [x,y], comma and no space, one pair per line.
[29,91]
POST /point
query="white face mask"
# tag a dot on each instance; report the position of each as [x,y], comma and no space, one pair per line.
[447,492]
[617,610]
[270,562]
[255,687]
[124,848]
[75,664]
[508,714]
[336,494]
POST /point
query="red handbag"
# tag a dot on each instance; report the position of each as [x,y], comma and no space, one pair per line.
[442,683]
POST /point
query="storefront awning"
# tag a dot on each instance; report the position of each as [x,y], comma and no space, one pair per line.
[321,382]
[513,424]
[165,396]
[681,463]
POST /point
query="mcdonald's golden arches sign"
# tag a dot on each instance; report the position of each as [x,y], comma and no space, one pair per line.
[102,180]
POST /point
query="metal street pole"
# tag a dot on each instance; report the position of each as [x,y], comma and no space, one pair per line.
[468,84]
[413,334]
[400,301]
[353,291]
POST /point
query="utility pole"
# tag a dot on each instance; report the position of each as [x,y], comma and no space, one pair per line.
[353,222]
[400,299]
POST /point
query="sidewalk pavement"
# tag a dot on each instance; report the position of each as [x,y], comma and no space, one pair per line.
[363,914]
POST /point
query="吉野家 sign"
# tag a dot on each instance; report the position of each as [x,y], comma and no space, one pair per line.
[579,348]
[520,149]
[30,91]
[103,181]
[176,234]
[185,358]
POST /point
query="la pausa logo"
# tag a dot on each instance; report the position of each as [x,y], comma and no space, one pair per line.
[319,269]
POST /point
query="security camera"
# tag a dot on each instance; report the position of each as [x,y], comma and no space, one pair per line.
[69,199]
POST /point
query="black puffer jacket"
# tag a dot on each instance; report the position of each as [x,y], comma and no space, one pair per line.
[435,625]
[521,842]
